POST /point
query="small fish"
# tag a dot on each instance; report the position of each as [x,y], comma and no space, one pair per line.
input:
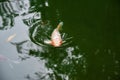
[10,37]
[2,58]
[56,39]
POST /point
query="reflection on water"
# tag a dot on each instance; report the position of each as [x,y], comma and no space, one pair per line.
[62,63]
[32,25]
[10,9]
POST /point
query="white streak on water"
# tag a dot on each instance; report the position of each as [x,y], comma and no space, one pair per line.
[46,3]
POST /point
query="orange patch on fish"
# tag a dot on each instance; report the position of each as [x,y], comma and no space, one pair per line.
[56,39]
[10,37]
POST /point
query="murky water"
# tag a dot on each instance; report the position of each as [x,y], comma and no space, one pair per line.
[90,32]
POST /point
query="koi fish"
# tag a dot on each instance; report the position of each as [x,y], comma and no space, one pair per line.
[56,39]
[10,37]
[2,58]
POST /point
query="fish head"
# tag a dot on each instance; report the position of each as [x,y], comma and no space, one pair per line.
[56,42]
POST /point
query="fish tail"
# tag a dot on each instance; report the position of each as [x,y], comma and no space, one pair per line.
[60,25]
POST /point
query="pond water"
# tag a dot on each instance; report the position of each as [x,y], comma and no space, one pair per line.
[90,32]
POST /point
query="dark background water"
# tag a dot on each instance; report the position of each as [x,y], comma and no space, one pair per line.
[95,26]
[93,55]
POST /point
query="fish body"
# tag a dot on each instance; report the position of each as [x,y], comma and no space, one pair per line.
[2,58]
[56,39]
[10,37]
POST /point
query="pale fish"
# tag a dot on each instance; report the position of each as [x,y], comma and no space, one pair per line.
[10,37]
[4,58]
[56,39]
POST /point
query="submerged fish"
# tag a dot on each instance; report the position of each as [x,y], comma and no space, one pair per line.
[2,58]
[10,37]
[56,39]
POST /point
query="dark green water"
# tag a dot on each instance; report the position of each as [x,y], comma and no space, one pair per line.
[92,54]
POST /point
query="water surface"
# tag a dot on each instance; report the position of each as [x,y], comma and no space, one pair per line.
[91,54]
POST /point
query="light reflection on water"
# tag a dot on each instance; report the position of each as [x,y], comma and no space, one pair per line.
[30,59]
[46,62]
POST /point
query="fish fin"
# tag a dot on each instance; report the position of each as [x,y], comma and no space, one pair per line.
[59,26]
[48,42]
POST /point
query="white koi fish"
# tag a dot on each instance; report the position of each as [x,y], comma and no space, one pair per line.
[56,39]
[10,37]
